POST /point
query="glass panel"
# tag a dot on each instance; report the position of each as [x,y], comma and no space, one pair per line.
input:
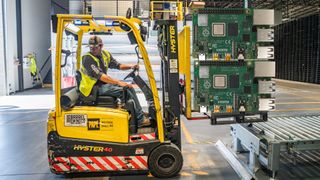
[68,59]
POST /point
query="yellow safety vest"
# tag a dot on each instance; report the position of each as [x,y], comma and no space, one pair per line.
[33,66]
[87,82]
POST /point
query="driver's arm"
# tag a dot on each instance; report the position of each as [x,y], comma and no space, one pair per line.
[109,80]
[92,69]
[128,66]
[114,64]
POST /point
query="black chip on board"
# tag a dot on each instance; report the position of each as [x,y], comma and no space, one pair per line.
[247,76]
[234,81]
[245,24]
[247,89]
[233,29]
[246,37]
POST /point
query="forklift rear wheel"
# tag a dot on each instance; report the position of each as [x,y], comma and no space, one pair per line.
[165,161]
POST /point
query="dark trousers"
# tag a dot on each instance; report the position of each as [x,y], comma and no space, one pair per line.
[117,91]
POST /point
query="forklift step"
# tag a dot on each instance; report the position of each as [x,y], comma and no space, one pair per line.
[145,130]
[142,137]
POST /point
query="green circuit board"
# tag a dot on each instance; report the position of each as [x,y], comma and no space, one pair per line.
[224,52]
[224,31]
[226,85]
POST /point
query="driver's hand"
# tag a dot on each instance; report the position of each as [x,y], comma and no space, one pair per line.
[132,85]
[136,66]
[124,84]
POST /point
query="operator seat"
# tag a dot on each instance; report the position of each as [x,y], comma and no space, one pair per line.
[106,101]
[94,99]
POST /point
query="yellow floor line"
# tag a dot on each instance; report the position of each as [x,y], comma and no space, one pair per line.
[191,161]
[297,109]
[186,133]
[283,103]
[201,173]
[183,173]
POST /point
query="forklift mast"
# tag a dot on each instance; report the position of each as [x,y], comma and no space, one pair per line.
[168,49]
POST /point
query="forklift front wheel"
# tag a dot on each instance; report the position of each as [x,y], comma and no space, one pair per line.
[165,161]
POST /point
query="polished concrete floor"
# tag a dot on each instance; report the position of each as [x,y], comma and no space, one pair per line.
[23,152]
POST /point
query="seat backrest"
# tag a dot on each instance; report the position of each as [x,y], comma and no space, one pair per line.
[93,95]
[78,79]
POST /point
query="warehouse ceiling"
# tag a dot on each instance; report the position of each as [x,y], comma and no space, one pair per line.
[291,9]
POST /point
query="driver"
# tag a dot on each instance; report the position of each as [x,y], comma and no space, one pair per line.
[94,67]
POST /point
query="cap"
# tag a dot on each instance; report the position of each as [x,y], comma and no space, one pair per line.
[95,41]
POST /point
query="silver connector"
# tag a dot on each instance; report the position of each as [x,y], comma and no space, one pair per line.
[265,69]
[265,52]
[266,17]
[265,35]
[267,104]
[267,87]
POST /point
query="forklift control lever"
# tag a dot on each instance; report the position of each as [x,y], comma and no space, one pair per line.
[67,54]
[131,74]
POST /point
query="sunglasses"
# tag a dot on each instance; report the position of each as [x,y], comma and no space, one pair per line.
[94,45]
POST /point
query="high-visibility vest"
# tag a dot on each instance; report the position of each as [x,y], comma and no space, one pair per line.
[33,66]
[87,82]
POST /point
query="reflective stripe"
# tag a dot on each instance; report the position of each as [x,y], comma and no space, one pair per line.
[143,137]
[60,164]
[100,163]
[78,163]
[63,167]
[105,159]
[92,166]
[119,161]
[143,160]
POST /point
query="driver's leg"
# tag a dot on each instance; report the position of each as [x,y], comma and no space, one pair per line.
[142,121]
[111,90]
[117,91]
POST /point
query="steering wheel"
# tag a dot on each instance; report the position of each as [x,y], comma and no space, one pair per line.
[131,74]
[128,14]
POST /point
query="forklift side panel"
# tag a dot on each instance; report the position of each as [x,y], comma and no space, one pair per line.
[94,123]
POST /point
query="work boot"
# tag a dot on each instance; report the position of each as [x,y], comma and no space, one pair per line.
[145,122]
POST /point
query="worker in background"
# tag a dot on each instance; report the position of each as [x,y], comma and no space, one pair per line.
[94,67]
[33,68]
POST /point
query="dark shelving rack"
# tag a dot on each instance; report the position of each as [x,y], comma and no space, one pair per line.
[297,45]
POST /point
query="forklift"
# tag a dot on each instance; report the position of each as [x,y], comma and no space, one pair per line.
[95,133]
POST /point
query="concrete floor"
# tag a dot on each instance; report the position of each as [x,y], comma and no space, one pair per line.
[23,152]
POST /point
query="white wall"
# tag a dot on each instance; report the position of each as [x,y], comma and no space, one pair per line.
[35,32]
[75,7]
[102,8]
[2,62]
[11,46]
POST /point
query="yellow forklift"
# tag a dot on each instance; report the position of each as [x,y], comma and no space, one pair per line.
[99,133]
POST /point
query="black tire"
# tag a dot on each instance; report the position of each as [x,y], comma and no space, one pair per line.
[165,161]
